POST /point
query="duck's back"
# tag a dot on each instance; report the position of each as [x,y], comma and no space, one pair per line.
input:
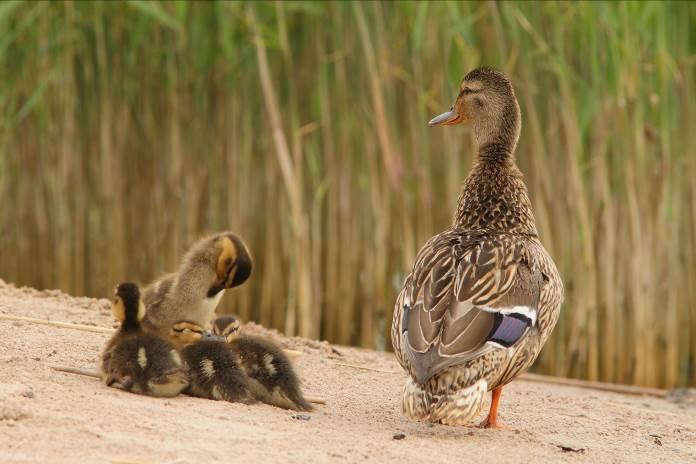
[215,372]
[469,293]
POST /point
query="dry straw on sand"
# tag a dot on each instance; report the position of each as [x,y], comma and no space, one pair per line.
[293,354]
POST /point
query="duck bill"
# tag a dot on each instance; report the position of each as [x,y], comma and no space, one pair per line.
[448,118]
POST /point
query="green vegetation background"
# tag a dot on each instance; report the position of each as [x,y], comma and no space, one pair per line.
[128,129]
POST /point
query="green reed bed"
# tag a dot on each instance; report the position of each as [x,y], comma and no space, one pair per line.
[127,129]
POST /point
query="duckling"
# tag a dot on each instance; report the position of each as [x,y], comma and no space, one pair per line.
[212,265]
[135,361]
[213,367]
[272,377]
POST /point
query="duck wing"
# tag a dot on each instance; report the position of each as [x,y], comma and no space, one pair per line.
[468,294]
[155,297]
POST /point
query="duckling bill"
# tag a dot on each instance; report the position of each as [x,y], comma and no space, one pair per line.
[135,361]
[272,377]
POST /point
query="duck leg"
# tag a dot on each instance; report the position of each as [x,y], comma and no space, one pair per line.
[492,420]
[120,380]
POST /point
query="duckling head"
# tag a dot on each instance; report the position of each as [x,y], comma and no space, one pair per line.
[227,327]
[185,333]
[127,306]
[487,101]
[230,259]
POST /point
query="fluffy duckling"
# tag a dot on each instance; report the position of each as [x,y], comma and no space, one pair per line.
[212,265]
[214,369]
[272,377]
[135,361]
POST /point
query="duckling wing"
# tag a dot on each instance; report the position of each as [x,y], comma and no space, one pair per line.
[158,313]
[157,292]
[468,294]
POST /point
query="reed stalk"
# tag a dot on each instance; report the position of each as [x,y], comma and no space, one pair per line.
[129,129]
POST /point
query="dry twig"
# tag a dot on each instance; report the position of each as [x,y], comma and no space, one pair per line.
[601,386]
[95,374]
[365,368]
[66,325]
[315,400]
[292,354]
[74,370]
[610,387]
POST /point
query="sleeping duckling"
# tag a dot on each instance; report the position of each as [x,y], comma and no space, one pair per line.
[272,377]
[135,361]
[214,369]
[212,265]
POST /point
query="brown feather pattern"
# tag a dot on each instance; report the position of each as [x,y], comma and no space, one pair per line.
[489,264]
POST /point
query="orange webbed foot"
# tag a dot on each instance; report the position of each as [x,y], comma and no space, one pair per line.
[488,424]
[491,421]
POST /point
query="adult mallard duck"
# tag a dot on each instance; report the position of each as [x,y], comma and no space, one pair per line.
[484,295]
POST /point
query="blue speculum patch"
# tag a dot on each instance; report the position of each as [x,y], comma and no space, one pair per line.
[508,328]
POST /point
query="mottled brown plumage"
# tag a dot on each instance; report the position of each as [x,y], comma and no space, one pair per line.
[483,296]
[215,372]
[214,369]
[272,378]
[136,361]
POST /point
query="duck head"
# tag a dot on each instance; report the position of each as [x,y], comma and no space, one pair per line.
[233,263]
[127,306]
[227,327]
[185,333]
[487,102]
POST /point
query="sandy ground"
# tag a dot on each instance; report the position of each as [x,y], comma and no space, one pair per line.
[49,416]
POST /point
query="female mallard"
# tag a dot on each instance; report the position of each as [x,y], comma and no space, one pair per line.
[484,295]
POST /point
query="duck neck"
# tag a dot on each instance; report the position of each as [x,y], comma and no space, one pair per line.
[494,196]
[496,134]
[130,323]
[193,282]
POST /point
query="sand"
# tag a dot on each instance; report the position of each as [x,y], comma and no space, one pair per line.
[49,416]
